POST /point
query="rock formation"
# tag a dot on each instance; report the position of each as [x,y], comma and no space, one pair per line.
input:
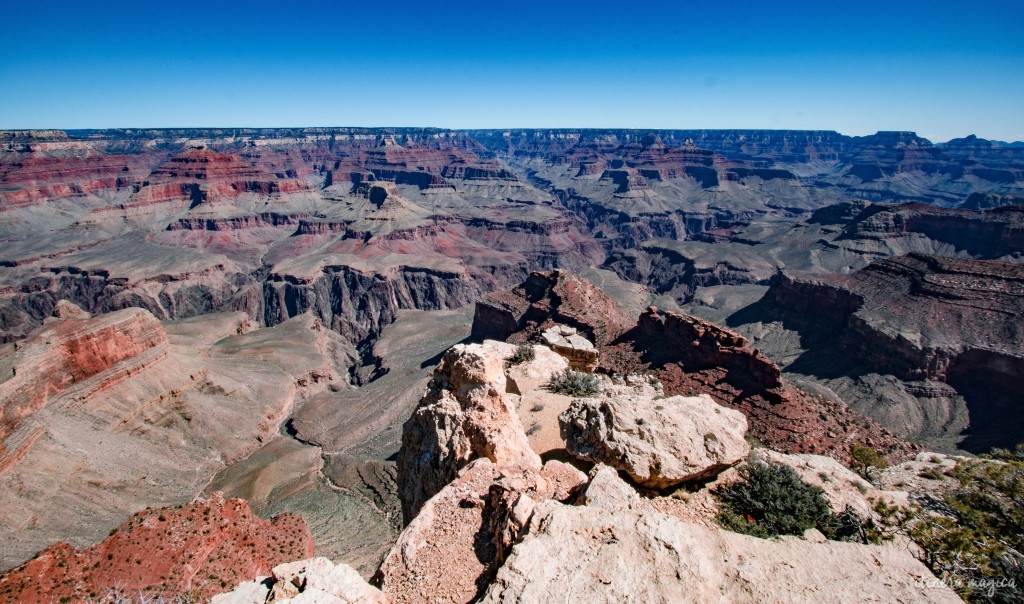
[314,580]
[660,443]
[198,549]
[990,234]
[502,530]
[928,321]
[104,416]
[75,351]
[544,300]
[579,351]
[690,356]
[464,416]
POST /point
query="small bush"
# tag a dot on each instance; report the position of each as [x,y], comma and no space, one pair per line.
[524,354]
[771,500]
[975,541]
[865,458]
[574,383]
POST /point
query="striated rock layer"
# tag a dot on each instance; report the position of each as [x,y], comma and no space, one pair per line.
[107,415]
[67,353]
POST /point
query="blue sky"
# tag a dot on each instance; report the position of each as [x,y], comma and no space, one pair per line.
[944,69]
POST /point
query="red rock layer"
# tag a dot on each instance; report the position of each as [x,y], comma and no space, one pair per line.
[198,550]
[68,352]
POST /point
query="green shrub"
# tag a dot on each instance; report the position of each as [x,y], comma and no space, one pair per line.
[574,383]
[975,543]
[524,353]
[771,500]
[865,458]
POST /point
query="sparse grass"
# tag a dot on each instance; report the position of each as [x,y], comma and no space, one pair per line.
[574,383]
[537,408]
[534,428]
[524,354]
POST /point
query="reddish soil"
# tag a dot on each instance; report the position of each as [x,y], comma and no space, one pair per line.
[199,549]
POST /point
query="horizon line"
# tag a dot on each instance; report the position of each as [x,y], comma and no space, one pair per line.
[491,129]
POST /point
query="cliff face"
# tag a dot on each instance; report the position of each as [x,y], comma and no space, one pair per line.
[990,234]
[922,319]
[358,305]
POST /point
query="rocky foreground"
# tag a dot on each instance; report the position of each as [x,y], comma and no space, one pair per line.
[494,515]
[511,491]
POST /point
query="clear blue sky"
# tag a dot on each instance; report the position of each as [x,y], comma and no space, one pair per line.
[941,68]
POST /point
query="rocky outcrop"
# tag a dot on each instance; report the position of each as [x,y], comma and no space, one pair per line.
[197,549]
[700,345]
[579,351]
[690,356]
[546,299]
[990,234]
[464,416]
[509,532]
[594,554]
[661,443]
[314,580]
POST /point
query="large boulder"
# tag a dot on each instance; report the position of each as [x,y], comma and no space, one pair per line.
[578,350]
[463,416]
[660,443]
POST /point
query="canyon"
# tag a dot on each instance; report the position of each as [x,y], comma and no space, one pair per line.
[186,313]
